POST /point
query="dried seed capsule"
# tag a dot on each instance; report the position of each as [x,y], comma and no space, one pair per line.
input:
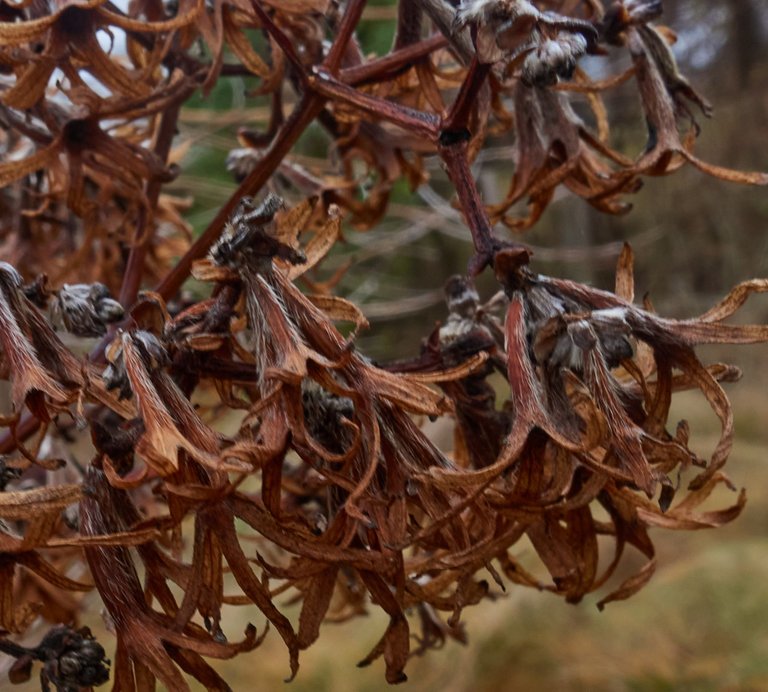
[461,296]
[84,309]
[241,232]
[69,665]
[553,59]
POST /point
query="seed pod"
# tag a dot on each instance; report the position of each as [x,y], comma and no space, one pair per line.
[461,296]
[72,659]
[84,309]
[553,59]
[243,235]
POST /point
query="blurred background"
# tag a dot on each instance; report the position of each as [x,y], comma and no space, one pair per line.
[702,622]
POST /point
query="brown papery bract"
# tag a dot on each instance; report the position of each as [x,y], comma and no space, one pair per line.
[244,450]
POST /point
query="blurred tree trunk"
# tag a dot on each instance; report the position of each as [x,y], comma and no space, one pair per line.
[747,43]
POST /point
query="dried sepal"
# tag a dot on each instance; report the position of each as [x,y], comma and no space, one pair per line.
[30,378]
[170,423]
[150,644]
[663,90]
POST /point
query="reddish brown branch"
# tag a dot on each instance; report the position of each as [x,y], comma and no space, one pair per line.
[145,223]
[409,23]
[280,38]
[415,121]
[346,30]
[391,65]
[454,155]
[457,119]
[303,114]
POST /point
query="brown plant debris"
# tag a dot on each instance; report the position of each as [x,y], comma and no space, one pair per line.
[325,490]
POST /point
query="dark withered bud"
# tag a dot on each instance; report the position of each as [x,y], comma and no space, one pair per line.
[512,28]
[38,291]
[558,344]
[614,334]
[234,240]
[240,162]
[116,439]
[247,239]
[553,59]
[84,309]
[565,352]
[503,27]
[461,296]
[463,301]
[324,413]
[152,353]
[115,377]
[496,13]
[616,348]
[318,522]
[251,213]
[72,659]
[81,662]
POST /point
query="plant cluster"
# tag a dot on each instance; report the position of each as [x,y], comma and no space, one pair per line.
[244,451]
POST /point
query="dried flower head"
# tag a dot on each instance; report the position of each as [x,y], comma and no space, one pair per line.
[553,59]
[72,659]
[84,310]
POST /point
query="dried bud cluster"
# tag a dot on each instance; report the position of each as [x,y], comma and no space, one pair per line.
[553,59]
[83,309]
[72,660]
[510,29]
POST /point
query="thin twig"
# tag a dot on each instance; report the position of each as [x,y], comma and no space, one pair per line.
[391,65]
[409,21]
[454,155]
[145,223]
[416,121]
[280,38]
[347,27]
